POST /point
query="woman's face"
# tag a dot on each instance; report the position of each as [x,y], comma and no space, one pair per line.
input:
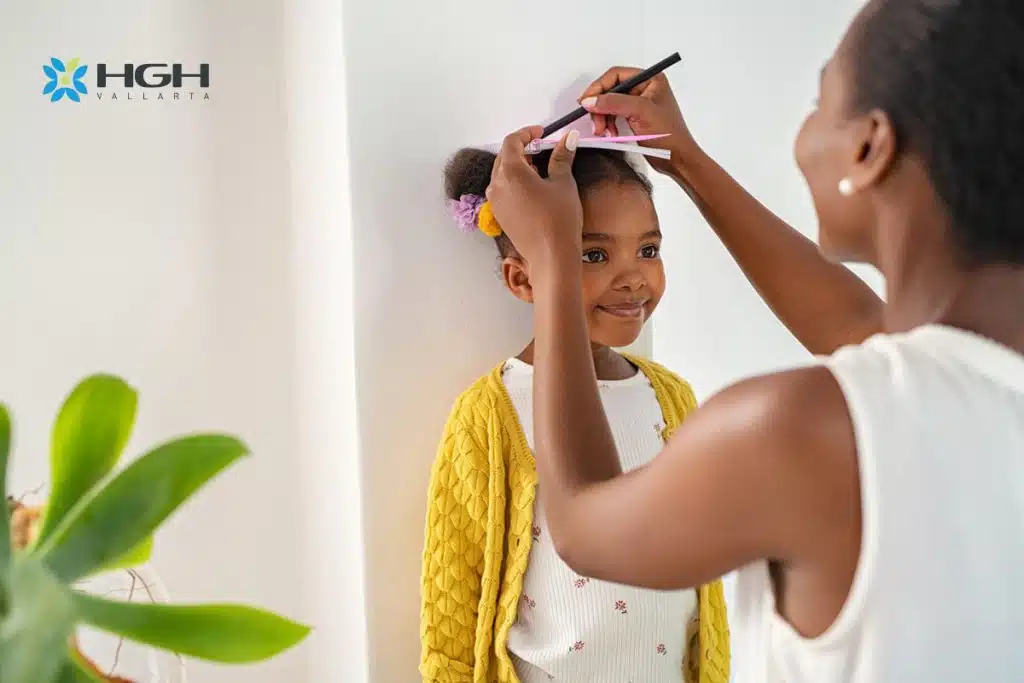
[830,146]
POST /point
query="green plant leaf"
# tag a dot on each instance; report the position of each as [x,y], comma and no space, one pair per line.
[34,633]
[230,634]
[112,521]
[76,670]
[91,430]
[5,513]
[138,555]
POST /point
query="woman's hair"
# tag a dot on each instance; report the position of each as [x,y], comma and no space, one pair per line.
[468,172]
[950,76]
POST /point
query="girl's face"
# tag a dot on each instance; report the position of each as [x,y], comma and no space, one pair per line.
[623,275]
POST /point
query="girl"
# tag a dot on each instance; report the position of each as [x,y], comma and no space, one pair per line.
[498,603]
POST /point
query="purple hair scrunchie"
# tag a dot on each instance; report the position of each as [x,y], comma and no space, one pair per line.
[465,211]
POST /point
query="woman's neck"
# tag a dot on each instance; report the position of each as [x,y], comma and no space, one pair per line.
[925,284]
[608,364]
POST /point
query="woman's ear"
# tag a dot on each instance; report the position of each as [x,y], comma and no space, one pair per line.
[516,277]
[875,151]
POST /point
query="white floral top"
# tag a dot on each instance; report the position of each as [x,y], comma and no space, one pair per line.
[574,629]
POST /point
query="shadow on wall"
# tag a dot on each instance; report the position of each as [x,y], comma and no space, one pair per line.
[566,101]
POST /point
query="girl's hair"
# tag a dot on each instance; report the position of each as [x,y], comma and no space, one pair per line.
[468,172]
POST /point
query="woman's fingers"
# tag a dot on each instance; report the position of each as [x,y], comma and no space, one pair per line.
[513,150]
[635,109]
[609,79]
[605,125]
[604,122]
[620,74]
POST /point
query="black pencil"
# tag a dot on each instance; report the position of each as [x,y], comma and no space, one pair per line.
[623,87]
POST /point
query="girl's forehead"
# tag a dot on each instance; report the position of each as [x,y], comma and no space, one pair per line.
[619,210]
[627,196]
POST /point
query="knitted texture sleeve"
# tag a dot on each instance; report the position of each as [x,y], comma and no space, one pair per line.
[453,555]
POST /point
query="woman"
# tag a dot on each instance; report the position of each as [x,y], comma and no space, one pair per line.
[871,502]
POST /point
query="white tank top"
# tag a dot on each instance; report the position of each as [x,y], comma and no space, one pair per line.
[938,594]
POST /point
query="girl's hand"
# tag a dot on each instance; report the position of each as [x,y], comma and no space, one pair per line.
[542,216]
[649,109]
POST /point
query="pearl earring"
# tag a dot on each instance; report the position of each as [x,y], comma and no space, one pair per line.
[846,187]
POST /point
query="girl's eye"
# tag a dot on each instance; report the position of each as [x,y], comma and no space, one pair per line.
[594,256]
[650,251]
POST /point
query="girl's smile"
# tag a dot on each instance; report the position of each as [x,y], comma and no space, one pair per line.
[629,310]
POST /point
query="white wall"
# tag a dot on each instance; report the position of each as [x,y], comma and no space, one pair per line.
[151,240]
[278,261]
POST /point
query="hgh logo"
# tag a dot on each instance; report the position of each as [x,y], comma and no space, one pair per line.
[152,75]
[65,80]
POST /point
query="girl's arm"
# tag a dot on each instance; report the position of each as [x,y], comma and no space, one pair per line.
[453,557]
[823,304]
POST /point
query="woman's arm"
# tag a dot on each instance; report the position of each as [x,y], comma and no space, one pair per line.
[764,470]
[767,469]
[822,303]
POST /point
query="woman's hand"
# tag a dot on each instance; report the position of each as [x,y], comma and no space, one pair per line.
[542,216]
[649,109]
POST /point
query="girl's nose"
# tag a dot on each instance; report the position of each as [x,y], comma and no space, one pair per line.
[631,280]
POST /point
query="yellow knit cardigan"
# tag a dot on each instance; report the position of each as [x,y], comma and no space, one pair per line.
[478,535]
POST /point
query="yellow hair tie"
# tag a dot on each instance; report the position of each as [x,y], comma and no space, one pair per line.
[486,221]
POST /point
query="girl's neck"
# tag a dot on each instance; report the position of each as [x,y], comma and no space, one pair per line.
[608,365]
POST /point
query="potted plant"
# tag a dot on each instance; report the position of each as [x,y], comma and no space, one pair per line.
[97,520]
